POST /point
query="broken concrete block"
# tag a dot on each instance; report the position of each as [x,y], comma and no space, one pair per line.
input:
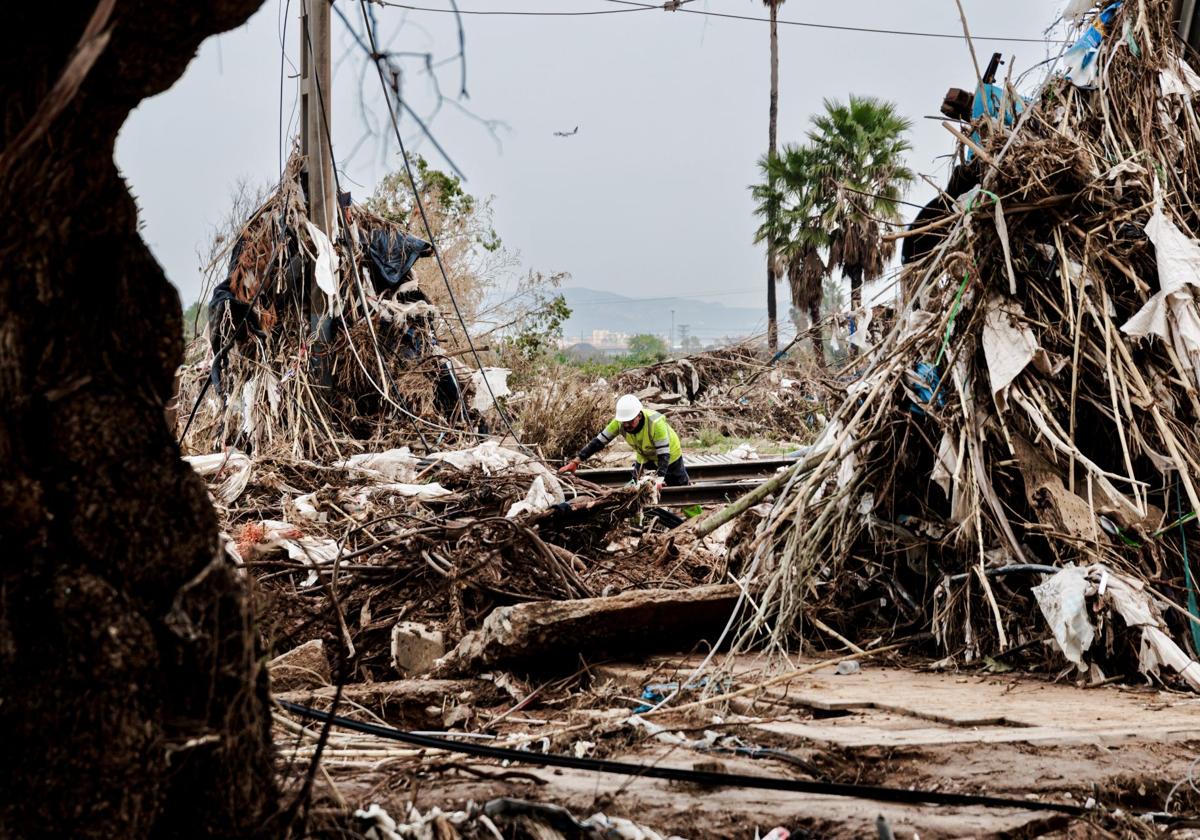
[644,621]
[415,647]
[300,668]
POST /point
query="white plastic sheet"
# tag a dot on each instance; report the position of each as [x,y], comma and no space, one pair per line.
[391,465]
[422,492]
[1172,314]
[326,262]
[489,382]
[312,551]
[1063,599]
[1008,344]
[492,458]
[535,501]
[233,466]
[1180,80]
[1129,598]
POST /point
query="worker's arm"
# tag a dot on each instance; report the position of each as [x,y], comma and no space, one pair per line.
[660,433]
[600,441]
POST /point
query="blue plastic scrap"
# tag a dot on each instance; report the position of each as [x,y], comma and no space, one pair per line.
[656,693]
[1080,59]
[925,386]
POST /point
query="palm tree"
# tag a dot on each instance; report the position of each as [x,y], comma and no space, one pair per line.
[788,204]
[860,175]
[772,274]
[833,194]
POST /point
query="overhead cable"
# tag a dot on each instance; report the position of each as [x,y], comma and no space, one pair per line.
[632,6]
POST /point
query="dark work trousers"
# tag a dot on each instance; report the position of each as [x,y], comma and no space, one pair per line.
[676,473]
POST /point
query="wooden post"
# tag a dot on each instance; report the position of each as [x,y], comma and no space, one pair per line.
[316,115]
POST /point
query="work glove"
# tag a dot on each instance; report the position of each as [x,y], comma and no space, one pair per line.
[569,467]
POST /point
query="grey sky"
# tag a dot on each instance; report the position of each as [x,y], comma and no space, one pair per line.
[649,198]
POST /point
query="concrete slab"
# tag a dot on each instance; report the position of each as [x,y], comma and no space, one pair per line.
[895,707]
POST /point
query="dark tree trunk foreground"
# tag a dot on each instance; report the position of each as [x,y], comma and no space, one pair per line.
[132,701]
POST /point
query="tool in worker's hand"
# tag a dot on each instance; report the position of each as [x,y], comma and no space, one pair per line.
[569,467]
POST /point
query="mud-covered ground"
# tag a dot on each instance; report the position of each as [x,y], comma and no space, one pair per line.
[1019,737]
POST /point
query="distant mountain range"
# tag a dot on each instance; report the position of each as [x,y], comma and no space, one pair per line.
[593,309]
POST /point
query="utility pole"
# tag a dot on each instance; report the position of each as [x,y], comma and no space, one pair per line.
[316,98]
[772,322]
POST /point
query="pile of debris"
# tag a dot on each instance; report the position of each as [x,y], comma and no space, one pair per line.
[738,391]
[312,340]
[1033,413]
[379,552]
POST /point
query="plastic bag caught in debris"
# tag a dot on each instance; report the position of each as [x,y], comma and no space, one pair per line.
[1063,599]
[1172,313]
[392,465]
[490,382]
[233,465]
[537,500]
[325,269]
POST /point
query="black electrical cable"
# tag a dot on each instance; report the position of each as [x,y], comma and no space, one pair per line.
[376,56]
[841,27]
[703,777]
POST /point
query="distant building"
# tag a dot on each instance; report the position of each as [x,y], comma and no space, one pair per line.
[609,340]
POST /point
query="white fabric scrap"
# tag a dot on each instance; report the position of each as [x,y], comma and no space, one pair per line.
[1172,313]
[489,456]
[743,452]
[326,262]
[489,382]
[396,312]
[235,466]
[306,508]
[391,465]
[535,501]
[1063,599]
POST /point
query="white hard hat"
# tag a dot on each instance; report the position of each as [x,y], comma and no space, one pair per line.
[628,407]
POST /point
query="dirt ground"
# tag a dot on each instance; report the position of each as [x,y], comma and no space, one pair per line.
[1011,736]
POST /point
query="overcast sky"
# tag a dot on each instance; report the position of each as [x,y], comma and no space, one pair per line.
[649,198]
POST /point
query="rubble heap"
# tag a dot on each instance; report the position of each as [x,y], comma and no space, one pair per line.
[312,342]
[1033,412]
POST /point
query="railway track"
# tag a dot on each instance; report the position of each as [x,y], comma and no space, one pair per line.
[714,480]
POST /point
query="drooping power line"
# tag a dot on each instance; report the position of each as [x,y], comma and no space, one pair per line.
[633,6]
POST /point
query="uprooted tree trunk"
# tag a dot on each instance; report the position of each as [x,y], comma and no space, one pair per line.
[134,704]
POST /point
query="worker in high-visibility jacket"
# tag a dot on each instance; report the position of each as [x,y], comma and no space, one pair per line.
[651,436]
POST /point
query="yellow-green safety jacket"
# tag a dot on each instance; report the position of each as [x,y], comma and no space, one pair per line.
[655,442]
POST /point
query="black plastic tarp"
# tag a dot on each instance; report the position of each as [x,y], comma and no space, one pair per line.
[392,254]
